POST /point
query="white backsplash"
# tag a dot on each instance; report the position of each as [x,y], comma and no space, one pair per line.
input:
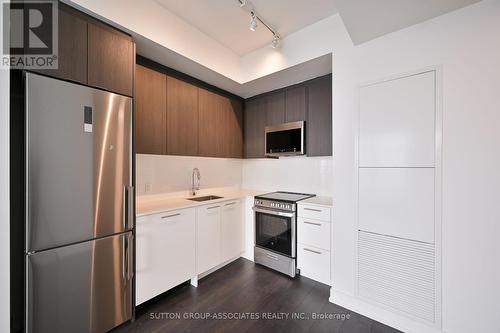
[167,173]
[295,174]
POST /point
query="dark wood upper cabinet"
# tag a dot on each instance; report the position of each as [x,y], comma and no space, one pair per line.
[72,47]
[309,101]
[150,111]
[254,124]
[111,58]
[233,127]
[319,119]
[210,117]
[221,122]
[182,118]
[295,103]
[275,108]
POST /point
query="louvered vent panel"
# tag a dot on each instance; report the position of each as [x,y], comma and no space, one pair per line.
[398,273]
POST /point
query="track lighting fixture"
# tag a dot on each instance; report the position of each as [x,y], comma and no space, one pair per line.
[275,42]
[248,7]
[253,22]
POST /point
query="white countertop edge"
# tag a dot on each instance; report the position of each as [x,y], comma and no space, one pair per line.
[167,202]
[322,201]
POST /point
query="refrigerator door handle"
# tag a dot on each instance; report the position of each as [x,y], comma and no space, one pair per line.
[124,258]
[128,207]
[130,257]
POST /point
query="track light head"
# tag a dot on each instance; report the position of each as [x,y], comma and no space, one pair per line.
[253,23]
[275,42]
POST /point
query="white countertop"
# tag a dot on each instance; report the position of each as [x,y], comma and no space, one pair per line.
[164,202]
[318,201]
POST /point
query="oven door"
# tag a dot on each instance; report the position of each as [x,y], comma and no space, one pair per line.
[275,231]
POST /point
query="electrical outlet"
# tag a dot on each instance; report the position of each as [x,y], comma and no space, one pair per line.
[148,187]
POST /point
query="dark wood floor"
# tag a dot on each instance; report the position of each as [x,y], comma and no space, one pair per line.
[246,288]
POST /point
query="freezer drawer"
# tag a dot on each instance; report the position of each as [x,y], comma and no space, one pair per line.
[79,161]
[86,287]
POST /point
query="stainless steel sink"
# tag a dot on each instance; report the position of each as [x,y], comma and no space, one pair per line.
[205,198]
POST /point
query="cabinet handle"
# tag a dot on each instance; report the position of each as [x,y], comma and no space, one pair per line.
[312,209]
[313,251]
[169,216]
[318,224]
[213,207]
[230,204]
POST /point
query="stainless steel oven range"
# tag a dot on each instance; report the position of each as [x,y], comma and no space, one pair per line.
[276,230]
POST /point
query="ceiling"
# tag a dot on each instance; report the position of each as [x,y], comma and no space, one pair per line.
[227,23]
[302,72]
[369,19]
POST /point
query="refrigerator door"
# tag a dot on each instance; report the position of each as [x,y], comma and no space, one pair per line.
[79,161]
[86,287]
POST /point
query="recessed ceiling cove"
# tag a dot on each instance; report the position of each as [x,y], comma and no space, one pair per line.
[369,19]
[227,23]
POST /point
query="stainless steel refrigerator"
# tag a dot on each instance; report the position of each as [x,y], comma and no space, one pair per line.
[79,207]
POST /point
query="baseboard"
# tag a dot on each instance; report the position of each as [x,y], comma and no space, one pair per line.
[386,317]
[211,270]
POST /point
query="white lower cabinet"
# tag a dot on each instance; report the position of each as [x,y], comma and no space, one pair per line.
[176,246]
[314,263]
[314,242]
[219,234]
[231,230]
[314,232]
[165,252]
[208,238]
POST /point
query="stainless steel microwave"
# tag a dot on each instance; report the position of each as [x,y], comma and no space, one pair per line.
[285,139]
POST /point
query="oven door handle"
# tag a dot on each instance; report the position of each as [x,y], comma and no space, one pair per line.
[273,212]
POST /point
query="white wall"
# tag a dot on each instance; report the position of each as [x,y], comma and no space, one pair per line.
[467,44]
[155,22]
[4,199]
[294,174]
[173,173]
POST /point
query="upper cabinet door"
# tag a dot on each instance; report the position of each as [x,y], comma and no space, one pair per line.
[295,103]
[110,59]
[221,119]
[255,122]
[182,118]
[319,119]
[150,111]
[233,127]
[397,122]
[275,108]
[72,44]
[210,117]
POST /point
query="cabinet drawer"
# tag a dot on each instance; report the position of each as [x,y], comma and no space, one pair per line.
[314,263]
[314,212]
[314,232]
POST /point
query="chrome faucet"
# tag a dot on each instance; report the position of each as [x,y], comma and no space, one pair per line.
[196,172]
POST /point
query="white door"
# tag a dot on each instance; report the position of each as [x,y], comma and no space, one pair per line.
[165,252]
[397,122]
[208,238]
[231,230]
